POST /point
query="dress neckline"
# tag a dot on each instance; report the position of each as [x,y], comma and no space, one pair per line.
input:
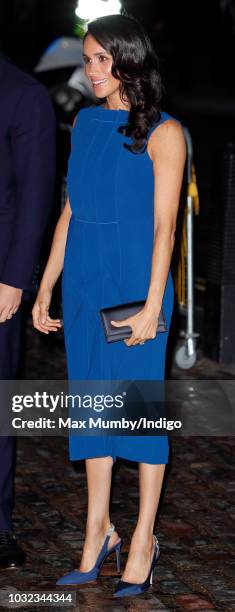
[109,114]
[119,115]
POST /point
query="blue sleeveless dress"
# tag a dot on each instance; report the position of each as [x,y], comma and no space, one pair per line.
[108,261]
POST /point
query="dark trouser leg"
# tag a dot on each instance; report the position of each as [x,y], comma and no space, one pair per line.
[9,357]
[7,458]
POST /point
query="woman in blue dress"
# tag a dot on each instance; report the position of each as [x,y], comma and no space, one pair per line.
[114,243]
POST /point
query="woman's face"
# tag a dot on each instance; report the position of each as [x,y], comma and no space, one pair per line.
[98,64]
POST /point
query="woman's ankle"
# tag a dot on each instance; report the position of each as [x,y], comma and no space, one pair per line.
[96,527]
[143,536]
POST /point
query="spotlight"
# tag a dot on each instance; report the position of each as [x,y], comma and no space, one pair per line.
[92,9]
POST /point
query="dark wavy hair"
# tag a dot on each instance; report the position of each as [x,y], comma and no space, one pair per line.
[135,64]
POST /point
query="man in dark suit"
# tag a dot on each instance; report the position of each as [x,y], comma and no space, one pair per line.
[27,175]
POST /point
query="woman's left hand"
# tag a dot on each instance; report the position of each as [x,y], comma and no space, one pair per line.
[143,324]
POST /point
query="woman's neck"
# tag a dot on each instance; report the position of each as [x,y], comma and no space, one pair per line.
[116,104]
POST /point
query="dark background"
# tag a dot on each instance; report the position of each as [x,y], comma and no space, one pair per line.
[195,41]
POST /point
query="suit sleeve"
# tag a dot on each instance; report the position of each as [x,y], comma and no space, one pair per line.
[33,142]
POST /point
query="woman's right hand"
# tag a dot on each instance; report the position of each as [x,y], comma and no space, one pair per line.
[40,312]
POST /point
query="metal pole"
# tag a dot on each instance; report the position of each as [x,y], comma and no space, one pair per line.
[189,229]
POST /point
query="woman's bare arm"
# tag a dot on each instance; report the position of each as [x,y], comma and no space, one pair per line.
[167,150]
[41,319]
[55,261]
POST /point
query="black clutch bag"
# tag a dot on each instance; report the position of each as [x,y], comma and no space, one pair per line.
[123,311]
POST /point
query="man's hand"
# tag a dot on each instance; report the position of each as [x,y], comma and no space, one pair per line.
[10,299]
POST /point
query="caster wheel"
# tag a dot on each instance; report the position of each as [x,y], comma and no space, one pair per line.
[183,360]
